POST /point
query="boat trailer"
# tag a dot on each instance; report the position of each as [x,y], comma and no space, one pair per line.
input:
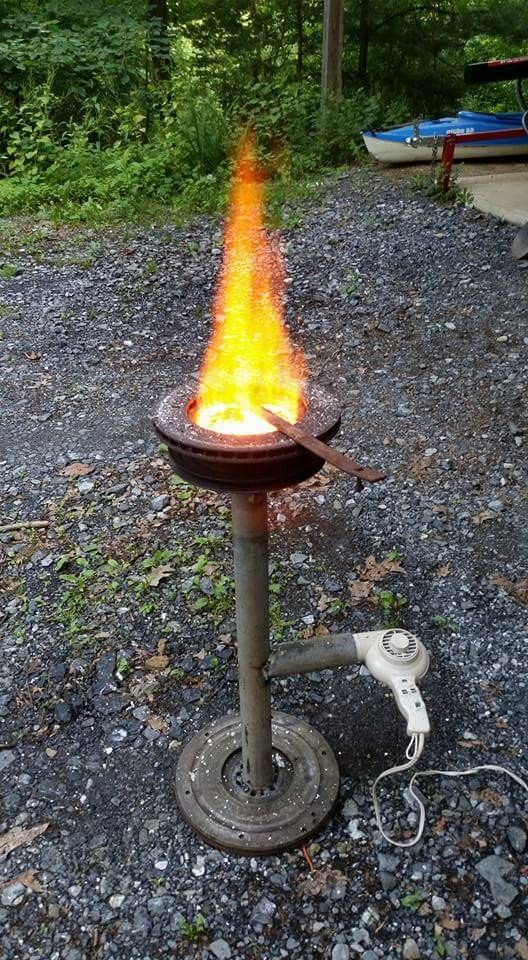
[489,71]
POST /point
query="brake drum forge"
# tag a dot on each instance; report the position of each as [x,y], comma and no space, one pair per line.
[256,780]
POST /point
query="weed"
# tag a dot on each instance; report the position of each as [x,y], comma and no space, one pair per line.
[193,929]
[391,605]
[279,623]
[71,608]
[184,490]
[151,268]
[412,901]
[440,947]
[395,554]
[432,186]
[124,667]
[444,623]
[353,281]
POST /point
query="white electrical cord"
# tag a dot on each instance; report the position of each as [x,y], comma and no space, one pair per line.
[413,753]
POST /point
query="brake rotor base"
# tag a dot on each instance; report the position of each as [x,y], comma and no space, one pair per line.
[219,806]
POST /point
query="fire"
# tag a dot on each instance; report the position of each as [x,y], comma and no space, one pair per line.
[250,361]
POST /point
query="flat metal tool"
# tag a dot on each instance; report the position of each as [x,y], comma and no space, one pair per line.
[322,450]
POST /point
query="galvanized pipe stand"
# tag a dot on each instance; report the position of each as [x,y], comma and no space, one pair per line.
[250,548]
[258,781]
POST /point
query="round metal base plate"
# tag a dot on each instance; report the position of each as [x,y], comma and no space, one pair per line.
[219,807]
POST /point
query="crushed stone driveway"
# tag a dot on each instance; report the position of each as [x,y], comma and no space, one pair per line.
[117,631]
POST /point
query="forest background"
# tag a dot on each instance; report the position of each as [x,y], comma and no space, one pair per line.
[114,110]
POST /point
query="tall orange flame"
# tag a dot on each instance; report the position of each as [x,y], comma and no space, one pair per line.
[250,361]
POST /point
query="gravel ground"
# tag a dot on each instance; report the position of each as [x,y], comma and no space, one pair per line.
[117,624]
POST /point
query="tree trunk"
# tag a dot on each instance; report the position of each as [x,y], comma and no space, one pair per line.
[331,79]
[299,22]
[364,39]
[158,37]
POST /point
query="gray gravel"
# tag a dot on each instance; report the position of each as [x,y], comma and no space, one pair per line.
[117,625]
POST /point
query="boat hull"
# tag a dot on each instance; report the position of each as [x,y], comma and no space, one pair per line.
[392,145]
[391,151]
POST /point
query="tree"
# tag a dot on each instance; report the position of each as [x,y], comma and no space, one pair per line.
[158,37]
[331,78]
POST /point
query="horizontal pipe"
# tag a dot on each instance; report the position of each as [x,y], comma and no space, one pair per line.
[305,656]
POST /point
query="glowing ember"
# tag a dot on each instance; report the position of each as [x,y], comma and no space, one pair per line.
[250,361]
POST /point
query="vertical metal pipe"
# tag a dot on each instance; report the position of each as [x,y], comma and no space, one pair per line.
[250,545]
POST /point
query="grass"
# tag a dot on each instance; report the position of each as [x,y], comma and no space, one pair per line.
[36,225]
[8,271]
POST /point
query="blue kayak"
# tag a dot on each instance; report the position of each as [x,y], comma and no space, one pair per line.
[395,144]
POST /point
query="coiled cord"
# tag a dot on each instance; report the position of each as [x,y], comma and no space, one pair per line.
[413,753]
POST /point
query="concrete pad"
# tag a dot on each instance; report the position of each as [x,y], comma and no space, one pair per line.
[504,195]
[499,187]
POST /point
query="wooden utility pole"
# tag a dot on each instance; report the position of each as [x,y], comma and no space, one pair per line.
[332,49]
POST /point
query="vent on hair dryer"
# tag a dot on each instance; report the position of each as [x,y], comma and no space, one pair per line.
[399,646]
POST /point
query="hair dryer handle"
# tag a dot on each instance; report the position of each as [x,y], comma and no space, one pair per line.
[410,704]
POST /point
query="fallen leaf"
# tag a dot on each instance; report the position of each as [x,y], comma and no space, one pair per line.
[419,467]
[77,469]
[359,590]
[19,837]
[157,574]
[156,663]
[483,516]
[521,949]
[370,572]
[321,630]
[442,571]
[29,880]
[324,602]
[439,826]
[491,796]
[471,744]
[477,933]
[376,570]
[322,881]
[518,590]
[144,688]
[447,923]
[157,723]
[33,356]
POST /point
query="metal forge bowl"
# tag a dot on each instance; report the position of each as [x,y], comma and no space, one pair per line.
[219,461]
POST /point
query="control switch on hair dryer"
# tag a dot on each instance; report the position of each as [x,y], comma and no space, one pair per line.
[398,659]
[410,704]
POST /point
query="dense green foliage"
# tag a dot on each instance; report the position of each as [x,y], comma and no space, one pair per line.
[116,106]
